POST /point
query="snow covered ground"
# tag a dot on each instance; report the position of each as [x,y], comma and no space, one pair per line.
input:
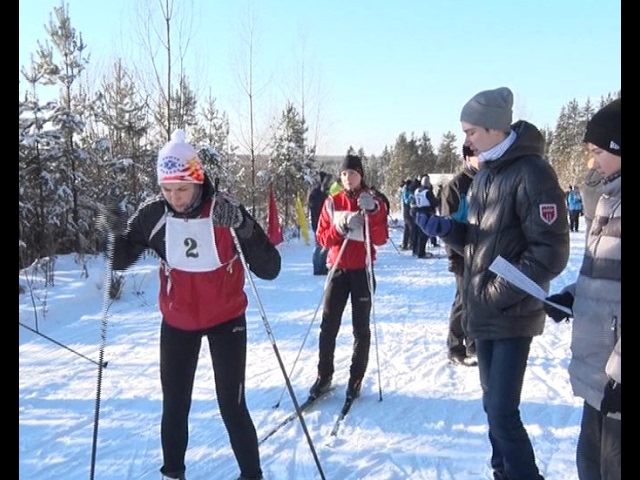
[418,418]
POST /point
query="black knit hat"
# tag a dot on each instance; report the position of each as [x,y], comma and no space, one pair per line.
[352,162]
[467,152]
[605,127]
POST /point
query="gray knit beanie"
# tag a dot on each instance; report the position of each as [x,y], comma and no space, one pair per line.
[490,109]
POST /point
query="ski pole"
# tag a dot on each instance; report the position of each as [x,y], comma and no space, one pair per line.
[106,284]
[395,246]
[60,344]
[392,242]
[369,267]
[324,294]
[267,327]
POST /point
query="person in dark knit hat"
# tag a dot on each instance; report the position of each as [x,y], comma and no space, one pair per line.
[341,230]
[594,300]
[461,350]
[516,210]
[604,129]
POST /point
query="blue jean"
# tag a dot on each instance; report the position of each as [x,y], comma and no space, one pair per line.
[501,364]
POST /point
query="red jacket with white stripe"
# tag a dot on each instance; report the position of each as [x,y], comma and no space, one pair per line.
[355,254]
[198,300]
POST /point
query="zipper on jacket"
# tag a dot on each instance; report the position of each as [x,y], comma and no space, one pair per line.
[485,196]
[614,327]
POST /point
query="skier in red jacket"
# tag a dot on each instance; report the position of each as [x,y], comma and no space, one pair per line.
[342,219]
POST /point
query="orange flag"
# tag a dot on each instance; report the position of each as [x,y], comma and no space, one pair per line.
[274,230]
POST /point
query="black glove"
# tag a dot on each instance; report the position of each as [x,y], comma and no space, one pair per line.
[226,213]
[565,299]
[611,402]
[111,218]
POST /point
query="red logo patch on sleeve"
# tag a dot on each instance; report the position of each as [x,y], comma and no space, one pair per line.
[548,212]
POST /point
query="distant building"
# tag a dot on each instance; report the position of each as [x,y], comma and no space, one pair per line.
[440,179]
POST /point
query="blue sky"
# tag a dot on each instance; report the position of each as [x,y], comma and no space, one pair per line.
[377,68]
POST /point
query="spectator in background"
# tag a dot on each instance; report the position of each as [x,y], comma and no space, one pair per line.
[425,203]
[574,204]
[516,209]
[415,232]
[594,300]
[315,199]
[407,200]
[439,198]
[461,349]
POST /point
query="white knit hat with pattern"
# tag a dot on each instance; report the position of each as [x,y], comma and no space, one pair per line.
[179,162]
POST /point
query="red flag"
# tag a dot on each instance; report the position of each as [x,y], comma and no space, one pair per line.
[274,230]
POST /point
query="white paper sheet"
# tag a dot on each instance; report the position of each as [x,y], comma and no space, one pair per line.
[511,274]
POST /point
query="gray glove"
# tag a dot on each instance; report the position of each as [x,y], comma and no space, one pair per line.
[111,218]
[366,202]
[351,221]
[226,213]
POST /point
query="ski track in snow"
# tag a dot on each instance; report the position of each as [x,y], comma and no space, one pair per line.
[429,424]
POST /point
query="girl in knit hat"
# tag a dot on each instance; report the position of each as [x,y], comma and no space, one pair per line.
[201,296]
[342,220]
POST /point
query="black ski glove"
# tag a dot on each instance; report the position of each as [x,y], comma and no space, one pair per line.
[611,402]
[111,218]
[565,299]
[227,212]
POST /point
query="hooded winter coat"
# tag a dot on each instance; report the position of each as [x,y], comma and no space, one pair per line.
[516,209]
[597,307]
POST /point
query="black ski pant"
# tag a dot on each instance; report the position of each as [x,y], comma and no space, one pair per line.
[319,260]
[574,220]
[179,351]
[407,233]
[456,340]
[345,283]
[599,451]
[420,242]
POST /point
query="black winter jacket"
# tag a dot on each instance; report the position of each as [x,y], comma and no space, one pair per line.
[450,199]
[517,210]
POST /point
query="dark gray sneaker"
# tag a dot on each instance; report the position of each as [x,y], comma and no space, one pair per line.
[321,385]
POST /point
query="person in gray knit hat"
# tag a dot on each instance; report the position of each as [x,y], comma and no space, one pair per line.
[516,210]
[491,109]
